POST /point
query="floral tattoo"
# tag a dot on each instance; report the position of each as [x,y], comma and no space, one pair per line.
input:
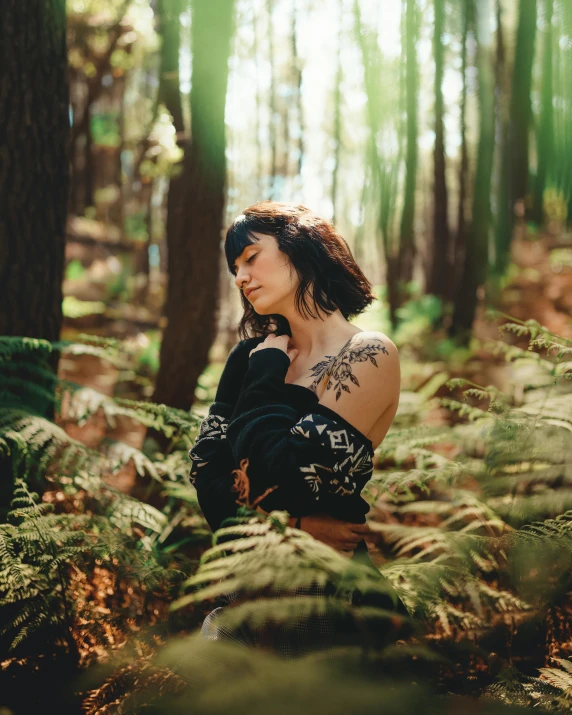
[339,367]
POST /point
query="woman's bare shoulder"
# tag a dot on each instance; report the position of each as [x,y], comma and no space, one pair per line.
[366,344]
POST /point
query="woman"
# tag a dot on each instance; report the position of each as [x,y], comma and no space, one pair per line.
[299,286]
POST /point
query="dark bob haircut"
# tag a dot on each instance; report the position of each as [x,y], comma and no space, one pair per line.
[326,269]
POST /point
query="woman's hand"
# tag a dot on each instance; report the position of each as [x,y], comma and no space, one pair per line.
[343,536]
[277,341]
[235,368]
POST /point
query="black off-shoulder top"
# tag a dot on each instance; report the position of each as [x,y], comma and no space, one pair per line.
[279,447]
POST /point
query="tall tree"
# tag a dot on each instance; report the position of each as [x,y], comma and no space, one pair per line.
[461,233]
[337,113]
[169,93]
[34,106]
[297,67]
[439,276]
[475,264]
[561,169]
[195,236]
[545,134]
[382,117]
[503,222]
[407,229]
[516,154]
[272,129]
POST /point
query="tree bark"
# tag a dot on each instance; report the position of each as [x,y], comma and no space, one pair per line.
[516,155]
[545,137]
[407,229]
[461,235]
[271,103]
[194,237]
[439,278]
[521,109]
[337,124]
[475,265]
[33,166]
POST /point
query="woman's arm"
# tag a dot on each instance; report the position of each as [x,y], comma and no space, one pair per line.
[211,455]
[211,468]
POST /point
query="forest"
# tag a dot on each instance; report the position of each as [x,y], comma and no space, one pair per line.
[436,136]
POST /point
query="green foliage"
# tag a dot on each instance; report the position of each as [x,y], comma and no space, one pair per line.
[474,528]
[75,270]
[50,557]
[35,445]
[280,581]
[187,676]
[41,551]
[483,530]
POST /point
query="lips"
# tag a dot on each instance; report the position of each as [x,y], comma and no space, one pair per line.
[251,290]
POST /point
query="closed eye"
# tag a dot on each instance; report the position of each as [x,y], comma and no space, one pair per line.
[248,260]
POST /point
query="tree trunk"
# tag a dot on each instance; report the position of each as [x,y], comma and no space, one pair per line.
[407,230]
[475,265]
[271,103]
[516,155]
[384,174]
[169,13]
[297,63]
[461,235]
[521,109]
[545,139]
[34,176]
[439,278]
[259,101]
[196,213]
[503,223]
[337,128]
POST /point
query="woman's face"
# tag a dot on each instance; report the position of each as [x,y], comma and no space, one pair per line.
[264,267]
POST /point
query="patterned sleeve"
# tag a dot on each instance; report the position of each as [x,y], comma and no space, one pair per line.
[212,467]
[315,463]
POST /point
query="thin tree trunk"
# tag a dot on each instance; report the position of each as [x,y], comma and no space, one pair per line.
[475,266]
[461,235]
[271,101]
[88,163]
[384,175]
[169,26]
[195,238]
[545,140]
[439,278]
[337,133]
[258,124]
[407,230]
[34,105]
[503,224]
[521,109]
[520,112]
[296,62]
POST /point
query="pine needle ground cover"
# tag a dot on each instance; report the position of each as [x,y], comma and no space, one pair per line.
[473,522]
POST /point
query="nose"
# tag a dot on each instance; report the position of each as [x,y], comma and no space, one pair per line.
[241,278]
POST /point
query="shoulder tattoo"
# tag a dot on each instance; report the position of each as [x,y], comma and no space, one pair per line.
[339,367]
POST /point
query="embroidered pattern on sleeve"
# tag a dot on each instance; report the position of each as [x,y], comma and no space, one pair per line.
[213,426]
[351,463]
[241,485]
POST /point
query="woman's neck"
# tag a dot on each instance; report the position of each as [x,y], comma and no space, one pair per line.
[319,337]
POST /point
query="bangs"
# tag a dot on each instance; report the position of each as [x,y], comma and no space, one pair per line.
[238,237]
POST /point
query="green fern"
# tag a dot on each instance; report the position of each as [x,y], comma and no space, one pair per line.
[281,579]
[40,549]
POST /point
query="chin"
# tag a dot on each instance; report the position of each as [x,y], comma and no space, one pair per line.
[260,307]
